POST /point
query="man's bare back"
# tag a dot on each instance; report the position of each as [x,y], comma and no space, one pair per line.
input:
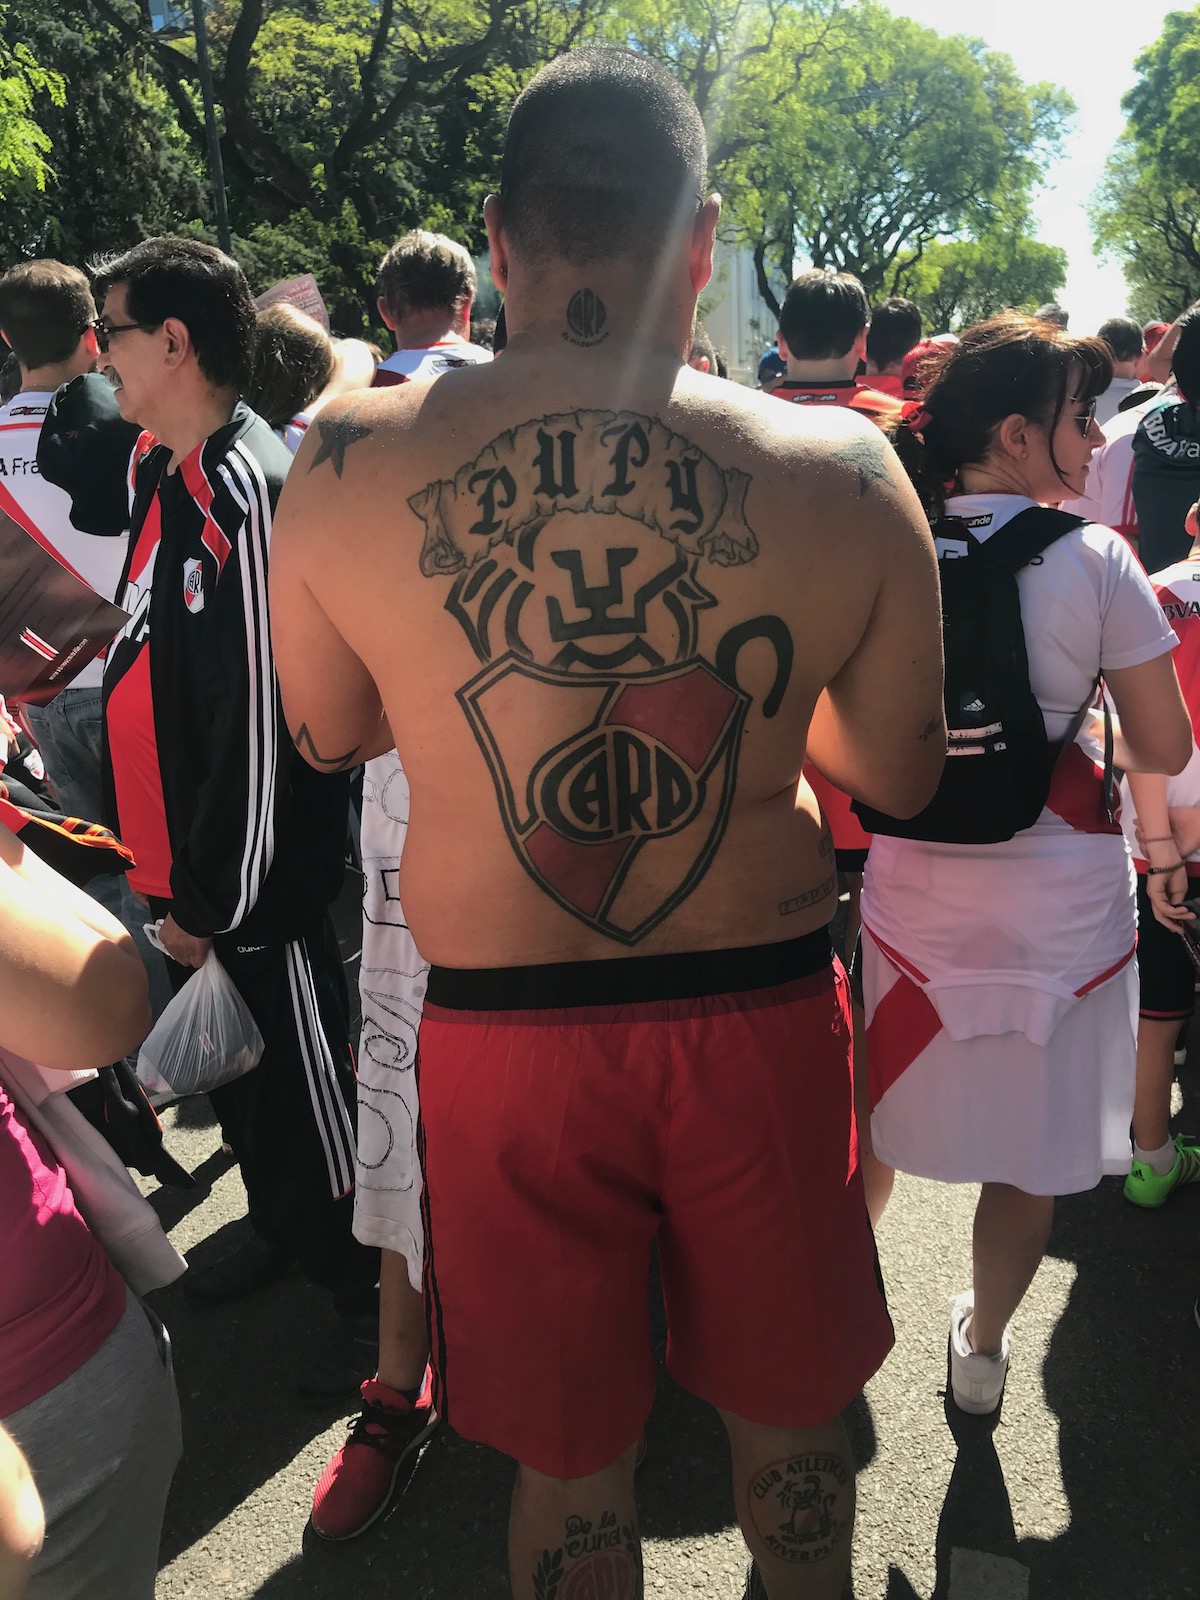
[600,596]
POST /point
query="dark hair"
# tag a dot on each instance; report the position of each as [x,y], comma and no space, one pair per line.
[605,156]
[1052,313]
[895,328]
[483,331]
[198,285]
[1123,337]
[1185,361]
[45,308]
[293,362]
[10,377]
[1010,365]
[425,272]
[822,314]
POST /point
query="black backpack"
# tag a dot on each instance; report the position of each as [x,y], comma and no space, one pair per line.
[999,762]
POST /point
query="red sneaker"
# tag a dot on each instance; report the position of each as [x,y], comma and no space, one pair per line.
[357,1486]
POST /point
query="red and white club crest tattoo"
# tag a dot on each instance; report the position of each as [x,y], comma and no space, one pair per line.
[597,637]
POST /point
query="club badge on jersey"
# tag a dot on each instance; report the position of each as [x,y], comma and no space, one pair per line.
[193,586]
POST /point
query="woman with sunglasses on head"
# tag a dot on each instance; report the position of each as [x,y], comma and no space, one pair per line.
[1000,982]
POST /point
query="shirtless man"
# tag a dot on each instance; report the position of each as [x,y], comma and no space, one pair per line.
[633,599]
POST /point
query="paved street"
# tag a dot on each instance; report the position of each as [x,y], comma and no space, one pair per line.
[1088,1487]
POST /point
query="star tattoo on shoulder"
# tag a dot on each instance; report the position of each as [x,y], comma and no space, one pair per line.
[869,459]
[337,435]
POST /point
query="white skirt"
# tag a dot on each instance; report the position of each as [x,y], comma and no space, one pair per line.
[998,1108]
[391,983]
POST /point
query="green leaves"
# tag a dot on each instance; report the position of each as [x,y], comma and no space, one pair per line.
[1146,211]
[24,143]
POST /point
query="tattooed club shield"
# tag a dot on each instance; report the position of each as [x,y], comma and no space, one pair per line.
[648,759]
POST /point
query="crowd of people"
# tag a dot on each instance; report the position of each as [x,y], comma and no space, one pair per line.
[657,667]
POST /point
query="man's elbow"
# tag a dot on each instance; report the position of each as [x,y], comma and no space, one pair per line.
[120,1006]
[909,785]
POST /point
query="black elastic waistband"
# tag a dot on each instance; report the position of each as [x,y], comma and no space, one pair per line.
[629,980]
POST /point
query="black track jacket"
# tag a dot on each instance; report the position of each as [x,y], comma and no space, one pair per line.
[254,838]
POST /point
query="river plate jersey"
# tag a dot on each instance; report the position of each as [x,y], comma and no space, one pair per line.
[424,362]
[596,639]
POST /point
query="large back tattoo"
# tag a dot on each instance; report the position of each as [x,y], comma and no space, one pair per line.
[595,626]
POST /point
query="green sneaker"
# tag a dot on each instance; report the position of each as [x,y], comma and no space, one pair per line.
[1146,1188]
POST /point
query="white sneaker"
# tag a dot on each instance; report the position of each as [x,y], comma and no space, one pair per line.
[977,1382]
[1181,1056]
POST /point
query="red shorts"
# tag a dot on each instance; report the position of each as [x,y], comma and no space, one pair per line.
[573,1114]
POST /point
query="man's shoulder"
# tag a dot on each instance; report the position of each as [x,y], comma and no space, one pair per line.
[250,451]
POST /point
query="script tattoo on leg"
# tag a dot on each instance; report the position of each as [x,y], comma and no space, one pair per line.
[600,1561]
[810,897]
[803,1506]
[579,549]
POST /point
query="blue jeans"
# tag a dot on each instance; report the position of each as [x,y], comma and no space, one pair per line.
[69,735]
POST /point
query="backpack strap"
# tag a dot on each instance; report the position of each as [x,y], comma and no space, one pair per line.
[1029,533]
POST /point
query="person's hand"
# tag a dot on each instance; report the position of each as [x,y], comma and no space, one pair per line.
[1185,826]
[185,948]
[1167,889]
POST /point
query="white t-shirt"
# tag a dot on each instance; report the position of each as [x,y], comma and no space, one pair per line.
[30,499]
[1178,590]
[1007,934]
[429,361]
[1108,497]
[1108,403]
[292,433]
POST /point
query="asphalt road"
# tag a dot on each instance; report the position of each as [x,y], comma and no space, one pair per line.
[1086,1488]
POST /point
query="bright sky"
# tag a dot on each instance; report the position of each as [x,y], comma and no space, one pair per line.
[1089,51]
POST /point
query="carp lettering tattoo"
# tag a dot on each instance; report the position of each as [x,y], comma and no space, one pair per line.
[597,633]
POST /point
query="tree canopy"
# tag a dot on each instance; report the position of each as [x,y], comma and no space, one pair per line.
[1146,212]
[965,280]
[24,143]
[837,131]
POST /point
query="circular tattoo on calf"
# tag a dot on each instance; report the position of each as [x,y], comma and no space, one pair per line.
[802,1507]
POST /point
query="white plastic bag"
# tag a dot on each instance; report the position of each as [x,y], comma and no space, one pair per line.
[205,1037]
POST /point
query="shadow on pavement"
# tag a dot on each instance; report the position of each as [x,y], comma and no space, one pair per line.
[1122,1374]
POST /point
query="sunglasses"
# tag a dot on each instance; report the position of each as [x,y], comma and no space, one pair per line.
[1086,418]
[104,331]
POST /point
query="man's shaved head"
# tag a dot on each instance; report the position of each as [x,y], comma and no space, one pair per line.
[605,157]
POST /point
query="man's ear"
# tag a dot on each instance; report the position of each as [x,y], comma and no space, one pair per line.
[90,343]
[386,316]
[781,345]
[179,342]
[704,238]
[8,341]
[493,221]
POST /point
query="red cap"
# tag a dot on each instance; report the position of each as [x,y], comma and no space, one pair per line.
[1152,333]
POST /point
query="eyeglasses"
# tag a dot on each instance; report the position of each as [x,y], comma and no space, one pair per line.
[1086,418]
[105,330]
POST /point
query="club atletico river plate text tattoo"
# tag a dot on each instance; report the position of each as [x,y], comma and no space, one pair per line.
[598,634]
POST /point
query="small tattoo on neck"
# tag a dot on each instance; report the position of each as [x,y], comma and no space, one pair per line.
[586,316]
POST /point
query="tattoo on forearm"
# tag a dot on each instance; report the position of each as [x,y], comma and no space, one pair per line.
[869,457]
[601,1561]
[303,740]
[803,1506]
[586,316]
[595,627]
[337,435]
[810,897]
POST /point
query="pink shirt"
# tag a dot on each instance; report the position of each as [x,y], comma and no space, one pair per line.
[60,1295]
